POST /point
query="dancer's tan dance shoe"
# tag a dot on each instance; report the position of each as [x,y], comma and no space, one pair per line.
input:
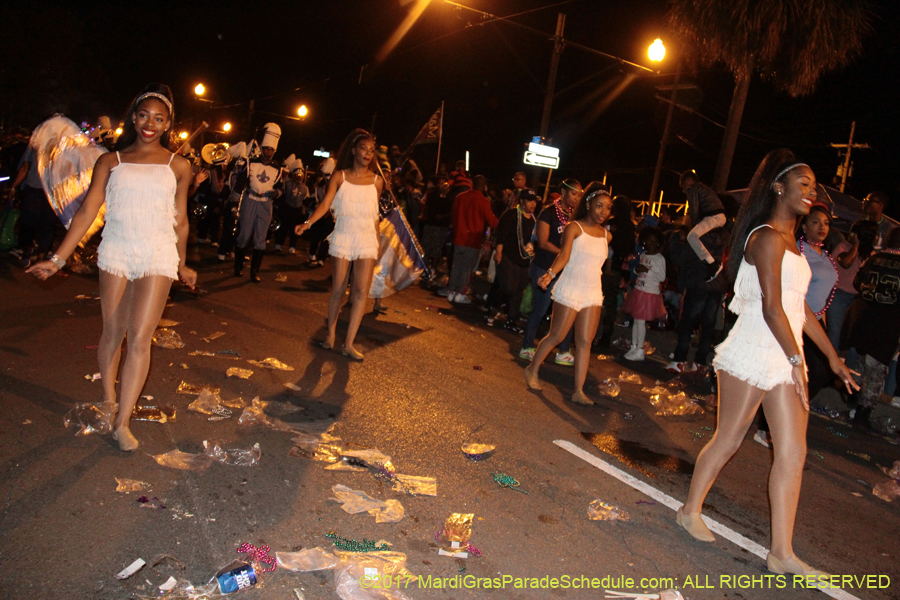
[694,525]
[792,565]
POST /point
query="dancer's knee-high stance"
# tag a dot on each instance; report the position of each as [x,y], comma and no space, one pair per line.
[145,189]
[761,361]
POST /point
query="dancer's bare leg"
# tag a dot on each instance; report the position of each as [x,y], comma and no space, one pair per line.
[585,328]
[115,306]
[787,425]
[363,271]
[148,301]
[340,275]
[738,403]
[560,322]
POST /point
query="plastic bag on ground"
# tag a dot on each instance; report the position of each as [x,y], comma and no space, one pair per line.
[167,338]
[206,402]
[311,559]
[372,568]
[609,387]
[601,511]
[271,363]
[675,405]
[185,461]
[254,415]
[887,490]
[355,501]
[239,457]
[310,443]
[91,418]
[131,485]
[627,377]
[415,485]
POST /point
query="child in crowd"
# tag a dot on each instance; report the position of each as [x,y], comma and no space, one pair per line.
[644,302]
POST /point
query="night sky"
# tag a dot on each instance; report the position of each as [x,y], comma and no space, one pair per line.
[87,59]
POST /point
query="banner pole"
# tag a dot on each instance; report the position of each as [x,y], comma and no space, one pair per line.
[437,165]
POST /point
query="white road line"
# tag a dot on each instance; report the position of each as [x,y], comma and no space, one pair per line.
[726,532]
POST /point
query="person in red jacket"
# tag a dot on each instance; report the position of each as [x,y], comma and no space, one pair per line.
[470,215]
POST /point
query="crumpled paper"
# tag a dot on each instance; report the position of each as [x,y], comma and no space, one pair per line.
[167,338]
[355,501]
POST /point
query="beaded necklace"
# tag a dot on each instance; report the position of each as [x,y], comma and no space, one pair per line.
[802,241]
[562,214]
[526,251]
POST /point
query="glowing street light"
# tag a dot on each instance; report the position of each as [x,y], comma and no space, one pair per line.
[200,89]
[183,135]
[118,131]
[302,111]
[226,127]
[657,51]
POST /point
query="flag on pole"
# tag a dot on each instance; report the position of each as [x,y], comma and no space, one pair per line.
[430,132]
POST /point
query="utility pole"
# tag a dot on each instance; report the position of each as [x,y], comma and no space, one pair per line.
[558,42]
[844,169]
[654,187]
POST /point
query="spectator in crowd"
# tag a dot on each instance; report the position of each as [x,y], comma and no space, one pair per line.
[872,324]
[707,213]
[644,302]
[470,214]
[293,206]
[436,216]
[513,255]
[873,207]
[548,233]
[37,218]
[850,254]
[321,229]
[616,271]
[211,194]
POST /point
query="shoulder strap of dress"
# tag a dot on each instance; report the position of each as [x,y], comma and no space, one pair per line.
[170,159]
[579,226]
[751,233]
[118,159]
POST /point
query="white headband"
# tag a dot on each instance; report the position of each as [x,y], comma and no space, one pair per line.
[596,193]
[164,100]
[786,169]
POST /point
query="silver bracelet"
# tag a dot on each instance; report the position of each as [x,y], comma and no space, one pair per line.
[551,273]
[57,260]
[796,360]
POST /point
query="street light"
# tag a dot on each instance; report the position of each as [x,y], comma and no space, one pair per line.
[118,131]
[657,50]
[302,111]
[226,127]
[200,89]
[183,135]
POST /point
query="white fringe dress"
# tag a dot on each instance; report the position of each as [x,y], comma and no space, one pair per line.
[139,238]
[355,209]
[579,284]
[751,352]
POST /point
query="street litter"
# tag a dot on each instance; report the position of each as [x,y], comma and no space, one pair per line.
[131,485]
[677,405]
[92,377]
[887,490]
[254,415]
[609,387]
[355,501]
[477,368]
[311,559]
[669,594]
[207,403]
[344,465]
[201,353]
[348,545]
[456,535]
[605,357]
[281,278]
[476,452]
[601,511]
[238,372]
[279,409]
[241,577]
[26,422]
[194,390]
[233,353]
[239,457]
[131,569]
[370,457]
[861,455]
[627,377]
[258,557]
[160,414]
[621,343]
[91,418]
[409,484]
[372,576]
[169,584]
[167,338]
[893,472]
[271,363]
[317,445]
[213,336]
[648,348]
[167,323]
[185,461]
[293,386]
[507,481]
[145,502]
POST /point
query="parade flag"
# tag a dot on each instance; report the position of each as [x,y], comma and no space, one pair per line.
[430,132]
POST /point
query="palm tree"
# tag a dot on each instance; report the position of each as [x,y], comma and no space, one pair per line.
[789,42]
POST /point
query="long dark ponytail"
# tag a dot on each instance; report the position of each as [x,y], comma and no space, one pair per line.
[129,133]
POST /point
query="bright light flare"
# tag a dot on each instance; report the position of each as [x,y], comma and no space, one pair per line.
[183,135]
[226,127]
[200,89]
[118,131]
[302,111]
[414,13]
[657,50]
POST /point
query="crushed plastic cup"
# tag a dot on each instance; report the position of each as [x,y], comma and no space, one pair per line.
[599,510]
[185,461]
[131,485]
[91,418]
[675,405]
[271,363]
[167,338]
[239,457]
[608,387]
[238,372]
[475,451]
[627,377]
[311,559]
[887,490]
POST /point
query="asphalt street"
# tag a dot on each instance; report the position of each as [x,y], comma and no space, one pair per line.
[434,377]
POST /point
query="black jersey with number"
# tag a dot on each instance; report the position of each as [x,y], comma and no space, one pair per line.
[872,324]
